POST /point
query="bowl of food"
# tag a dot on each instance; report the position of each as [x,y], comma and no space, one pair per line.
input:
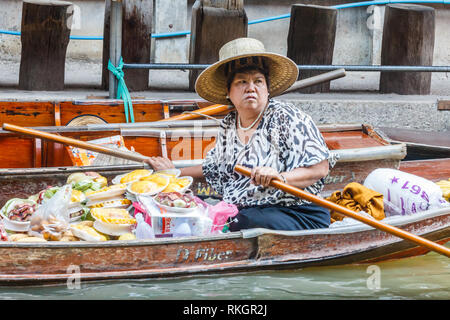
[76,207]
[148,188]
[114,190]
[17,214]
[112,221]
[132,176]
[179,184]
[170,172]
[114,202]
[176,202]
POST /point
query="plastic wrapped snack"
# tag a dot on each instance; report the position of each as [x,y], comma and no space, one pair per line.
[52,218]
[112,215]
[135,175]
[107,192]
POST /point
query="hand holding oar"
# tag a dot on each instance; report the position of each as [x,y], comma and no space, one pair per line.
[349,213]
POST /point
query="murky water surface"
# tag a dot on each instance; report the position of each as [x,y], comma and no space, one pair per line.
[424,277]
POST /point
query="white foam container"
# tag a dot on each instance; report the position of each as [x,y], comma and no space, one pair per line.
[112,229]
[18,226]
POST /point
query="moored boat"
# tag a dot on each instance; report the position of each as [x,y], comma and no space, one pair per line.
[245,251]
[360,148]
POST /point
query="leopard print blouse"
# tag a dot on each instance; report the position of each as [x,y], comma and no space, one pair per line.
[286,138]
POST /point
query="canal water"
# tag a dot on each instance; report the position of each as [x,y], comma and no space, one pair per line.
[425,277]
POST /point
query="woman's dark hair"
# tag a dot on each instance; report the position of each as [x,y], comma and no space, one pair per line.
[231,69]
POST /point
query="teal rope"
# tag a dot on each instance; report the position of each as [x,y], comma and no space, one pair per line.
[122,90]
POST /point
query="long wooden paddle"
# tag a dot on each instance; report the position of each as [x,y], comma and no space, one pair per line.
[75,143]
[349,213]
[300,84]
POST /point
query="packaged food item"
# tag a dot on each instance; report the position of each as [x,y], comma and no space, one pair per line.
[135,175]
[143,230]
[17,214]
[44,195]
[176,200]
[179,184]
[52,218]
[112,216]
[156,178]
[127,236]
[87,181]
[169,172]
[77,209]
[118,202]
[444,185]
[145,188]
[32,239]
[107,192]
[87,233]
[17,236]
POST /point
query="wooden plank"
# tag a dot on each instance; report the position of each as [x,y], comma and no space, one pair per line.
[136,42]
[408,39]
[444,105]
[311,37]
[45,35]
[434,170]
[213,24]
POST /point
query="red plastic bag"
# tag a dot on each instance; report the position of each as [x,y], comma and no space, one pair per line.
[220,213]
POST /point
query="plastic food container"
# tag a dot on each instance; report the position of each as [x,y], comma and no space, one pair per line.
[170,172]
[181,189]
[107,193]
[18,226]
[156,189]
[133,176]
[112,229]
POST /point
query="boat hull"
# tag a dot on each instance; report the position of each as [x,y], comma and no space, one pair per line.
[245,251]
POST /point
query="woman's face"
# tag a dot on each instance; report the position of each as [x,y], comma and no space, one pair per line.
[248,91]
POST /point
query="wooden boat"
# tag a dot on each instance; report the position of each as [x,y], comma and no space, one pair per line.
[419,144]
[62,113]
[360,148]
[243,251]
[248,250]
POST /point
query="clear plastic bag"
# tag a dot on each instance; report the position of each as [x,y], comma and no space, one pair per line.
[52,218]
[143,230]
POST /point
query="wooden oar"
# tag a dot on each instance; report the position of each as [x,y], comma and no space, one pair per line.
[300,84]
[75,143]
[349,213]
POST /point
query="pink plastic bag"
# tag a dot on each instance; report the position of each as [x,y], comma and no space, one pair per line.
[220,213]
[138,209]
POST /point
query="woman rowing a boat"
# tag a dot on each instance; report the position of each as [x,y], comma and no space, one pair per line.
[275,139]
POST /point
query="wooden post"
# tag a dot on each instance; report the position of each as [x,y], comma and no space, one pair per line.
[408,39]
[44,36]
[136,28]
[312,31]
[214,23]
[115,43]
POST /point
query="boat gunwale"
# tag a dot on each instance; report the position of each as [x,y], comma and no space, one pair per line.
[398,221]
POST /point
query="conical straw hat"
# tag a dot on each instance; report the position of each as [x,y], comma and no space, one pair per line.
[211,84]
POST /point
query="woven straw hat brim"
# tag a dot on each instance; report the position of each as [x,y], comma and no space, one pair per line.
[211,84]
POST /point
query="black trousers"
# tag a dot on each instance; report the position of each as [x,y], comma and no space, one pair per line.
[275,217]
